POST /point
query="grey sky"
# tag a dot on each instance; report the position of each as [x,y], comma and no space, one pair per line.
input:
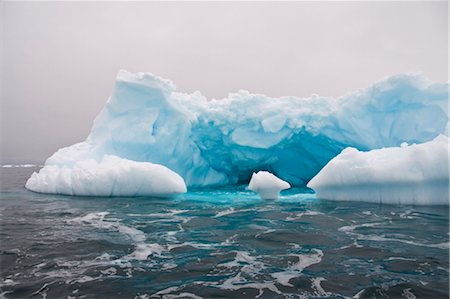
[59,60]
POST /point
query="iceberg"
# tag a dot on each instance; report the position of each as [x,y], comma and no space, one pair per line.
[112,176]
[219,142]
[267,185]
[416,174]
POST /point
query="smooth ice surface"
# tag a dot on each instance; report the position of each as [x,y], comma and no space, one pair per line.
[112,176]
[409,174]
[219,142]
[267,185]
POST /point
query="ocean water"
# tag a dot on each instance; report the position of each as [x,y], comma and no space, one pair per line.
[217,243]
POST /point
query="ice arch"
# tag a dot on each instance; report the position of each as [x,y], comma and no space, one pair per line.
[217,142]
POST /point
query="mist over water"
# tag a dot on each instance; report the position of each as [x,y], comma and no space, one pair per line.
[210,243]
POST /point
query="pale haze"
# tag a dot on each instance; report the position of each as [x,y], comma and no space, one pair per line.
[60,60]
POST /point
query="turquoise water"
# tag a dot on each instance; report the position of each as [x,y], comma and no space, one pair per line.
[217,243]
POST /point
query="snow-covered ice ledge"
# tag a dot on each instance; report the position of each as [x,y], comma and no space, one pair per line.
[411,174]
[112,176]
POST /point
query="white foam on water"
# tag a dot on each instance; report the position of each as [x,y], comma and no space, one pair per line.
[408,294]
[98,220]
[170,220]
[74,271]
[306,260]
[168,266]
[43,290]
[283,278]
[225,212]
[168,214]
[350,230]
[250,266]
[395,258]
[265,232]
[318,290]
[171,216]
[300,215]
[230,211]
[359,294]
[170,236]
[237,282]
[109,271]
[408,214]
[193,244]
[354,244]
[166,291]
[259,227]
[295,269]
[370,213]
[181,295]
[87,278]
[443,245]
[229,241]
[142,249]
[243,259]
[166,294]
[7,282]
[295,245]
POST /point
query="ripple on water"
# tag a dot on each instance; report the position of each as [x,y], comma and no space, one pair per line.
[219,244]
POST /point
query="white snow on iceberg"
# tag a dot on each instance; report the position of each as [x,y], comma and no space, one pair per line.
[218,142]
[416,174]
[267,185]
[112,176]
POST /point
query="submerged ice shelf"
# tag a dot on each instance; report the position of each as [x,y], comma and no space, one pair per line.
[220,142]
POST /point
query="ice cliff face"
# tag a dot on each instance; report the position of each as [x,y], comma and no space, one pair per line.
[224,141]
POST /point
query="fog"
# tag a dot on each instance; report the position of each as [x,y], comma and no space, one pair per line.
[60,59]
